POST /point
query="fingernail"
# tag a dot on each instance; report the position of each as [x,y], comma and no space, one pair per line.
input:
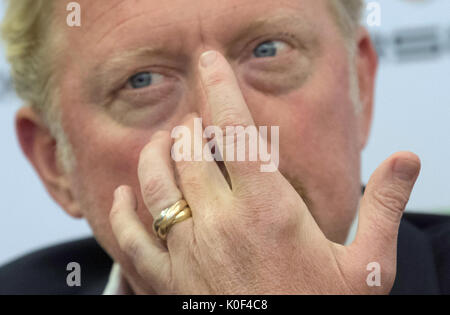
[405,169]
[208,58]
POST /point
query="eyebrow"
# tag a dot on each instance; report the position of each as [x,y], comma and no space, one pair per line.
[103,76]
[116,61]
[279,19]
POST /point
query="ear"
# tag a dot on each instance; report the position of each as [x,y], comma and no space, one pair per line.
[39,146]
[366,65]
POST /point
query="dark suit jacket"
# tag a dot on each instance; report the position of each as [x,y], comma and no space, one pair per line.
[423,263]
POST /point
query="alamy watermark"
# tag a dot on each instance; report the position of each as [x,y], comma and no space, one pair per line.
[373,14]
[73,278]
[374,277]
[74,17]
[230,142]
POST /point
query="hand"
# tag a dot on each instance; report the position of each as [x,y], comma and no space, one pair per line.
[258,237]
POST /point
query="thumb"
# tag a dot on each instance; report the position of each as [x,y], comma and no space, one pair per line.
[383,203]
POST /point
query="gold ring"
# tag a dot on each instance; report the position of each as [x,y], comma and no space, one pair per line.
[176,213]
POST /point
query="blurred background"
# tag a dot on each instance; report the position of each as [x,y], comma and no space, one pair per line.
[412,113]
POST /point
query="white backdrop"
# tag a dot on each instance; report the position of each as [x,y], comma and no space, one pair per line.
[412,113]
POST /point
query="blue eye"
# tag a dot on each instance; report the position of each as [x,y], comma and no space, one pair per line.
[266,49]
[140,80]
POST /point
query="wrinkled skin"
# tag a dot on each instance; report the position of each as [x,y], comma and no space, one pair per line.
[275,232]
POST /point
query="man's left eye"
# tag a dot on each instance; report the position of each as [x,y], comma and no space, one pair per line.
[143,79]
[268,49]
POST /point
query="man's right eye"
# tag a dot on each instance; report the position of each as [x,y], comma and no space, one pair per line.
[143,80]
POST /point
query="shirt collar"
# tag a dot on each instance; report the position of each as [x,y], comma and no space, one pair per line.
[117,284]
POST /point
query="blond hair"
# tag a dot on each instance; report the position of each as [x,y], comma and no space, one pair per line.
[26,30]
[347,14]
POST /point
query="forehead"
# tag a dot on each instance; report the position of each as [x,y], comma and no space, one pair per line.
[104,21]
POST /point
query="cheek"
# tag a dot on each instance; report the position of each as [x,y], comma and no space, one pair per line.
[107,156]
[318,131]
[313,122]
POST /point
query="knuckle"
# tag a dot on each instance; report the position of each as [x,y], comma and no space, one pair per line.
[226,231]
[153,149]
[217,78]
[218,222]
[193,184]
[269,214]
[144,153]
[129,244]
[282,222]
[188,177]
[184,170]
[227,118]
[154,188]
[288,218]
[391,199]
[113,214]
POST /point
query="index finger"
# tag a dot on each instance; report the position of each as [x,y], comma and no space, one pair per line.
[229,112]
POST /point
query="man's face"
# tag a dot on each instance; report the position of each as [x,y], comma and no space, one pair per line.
[290,60]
